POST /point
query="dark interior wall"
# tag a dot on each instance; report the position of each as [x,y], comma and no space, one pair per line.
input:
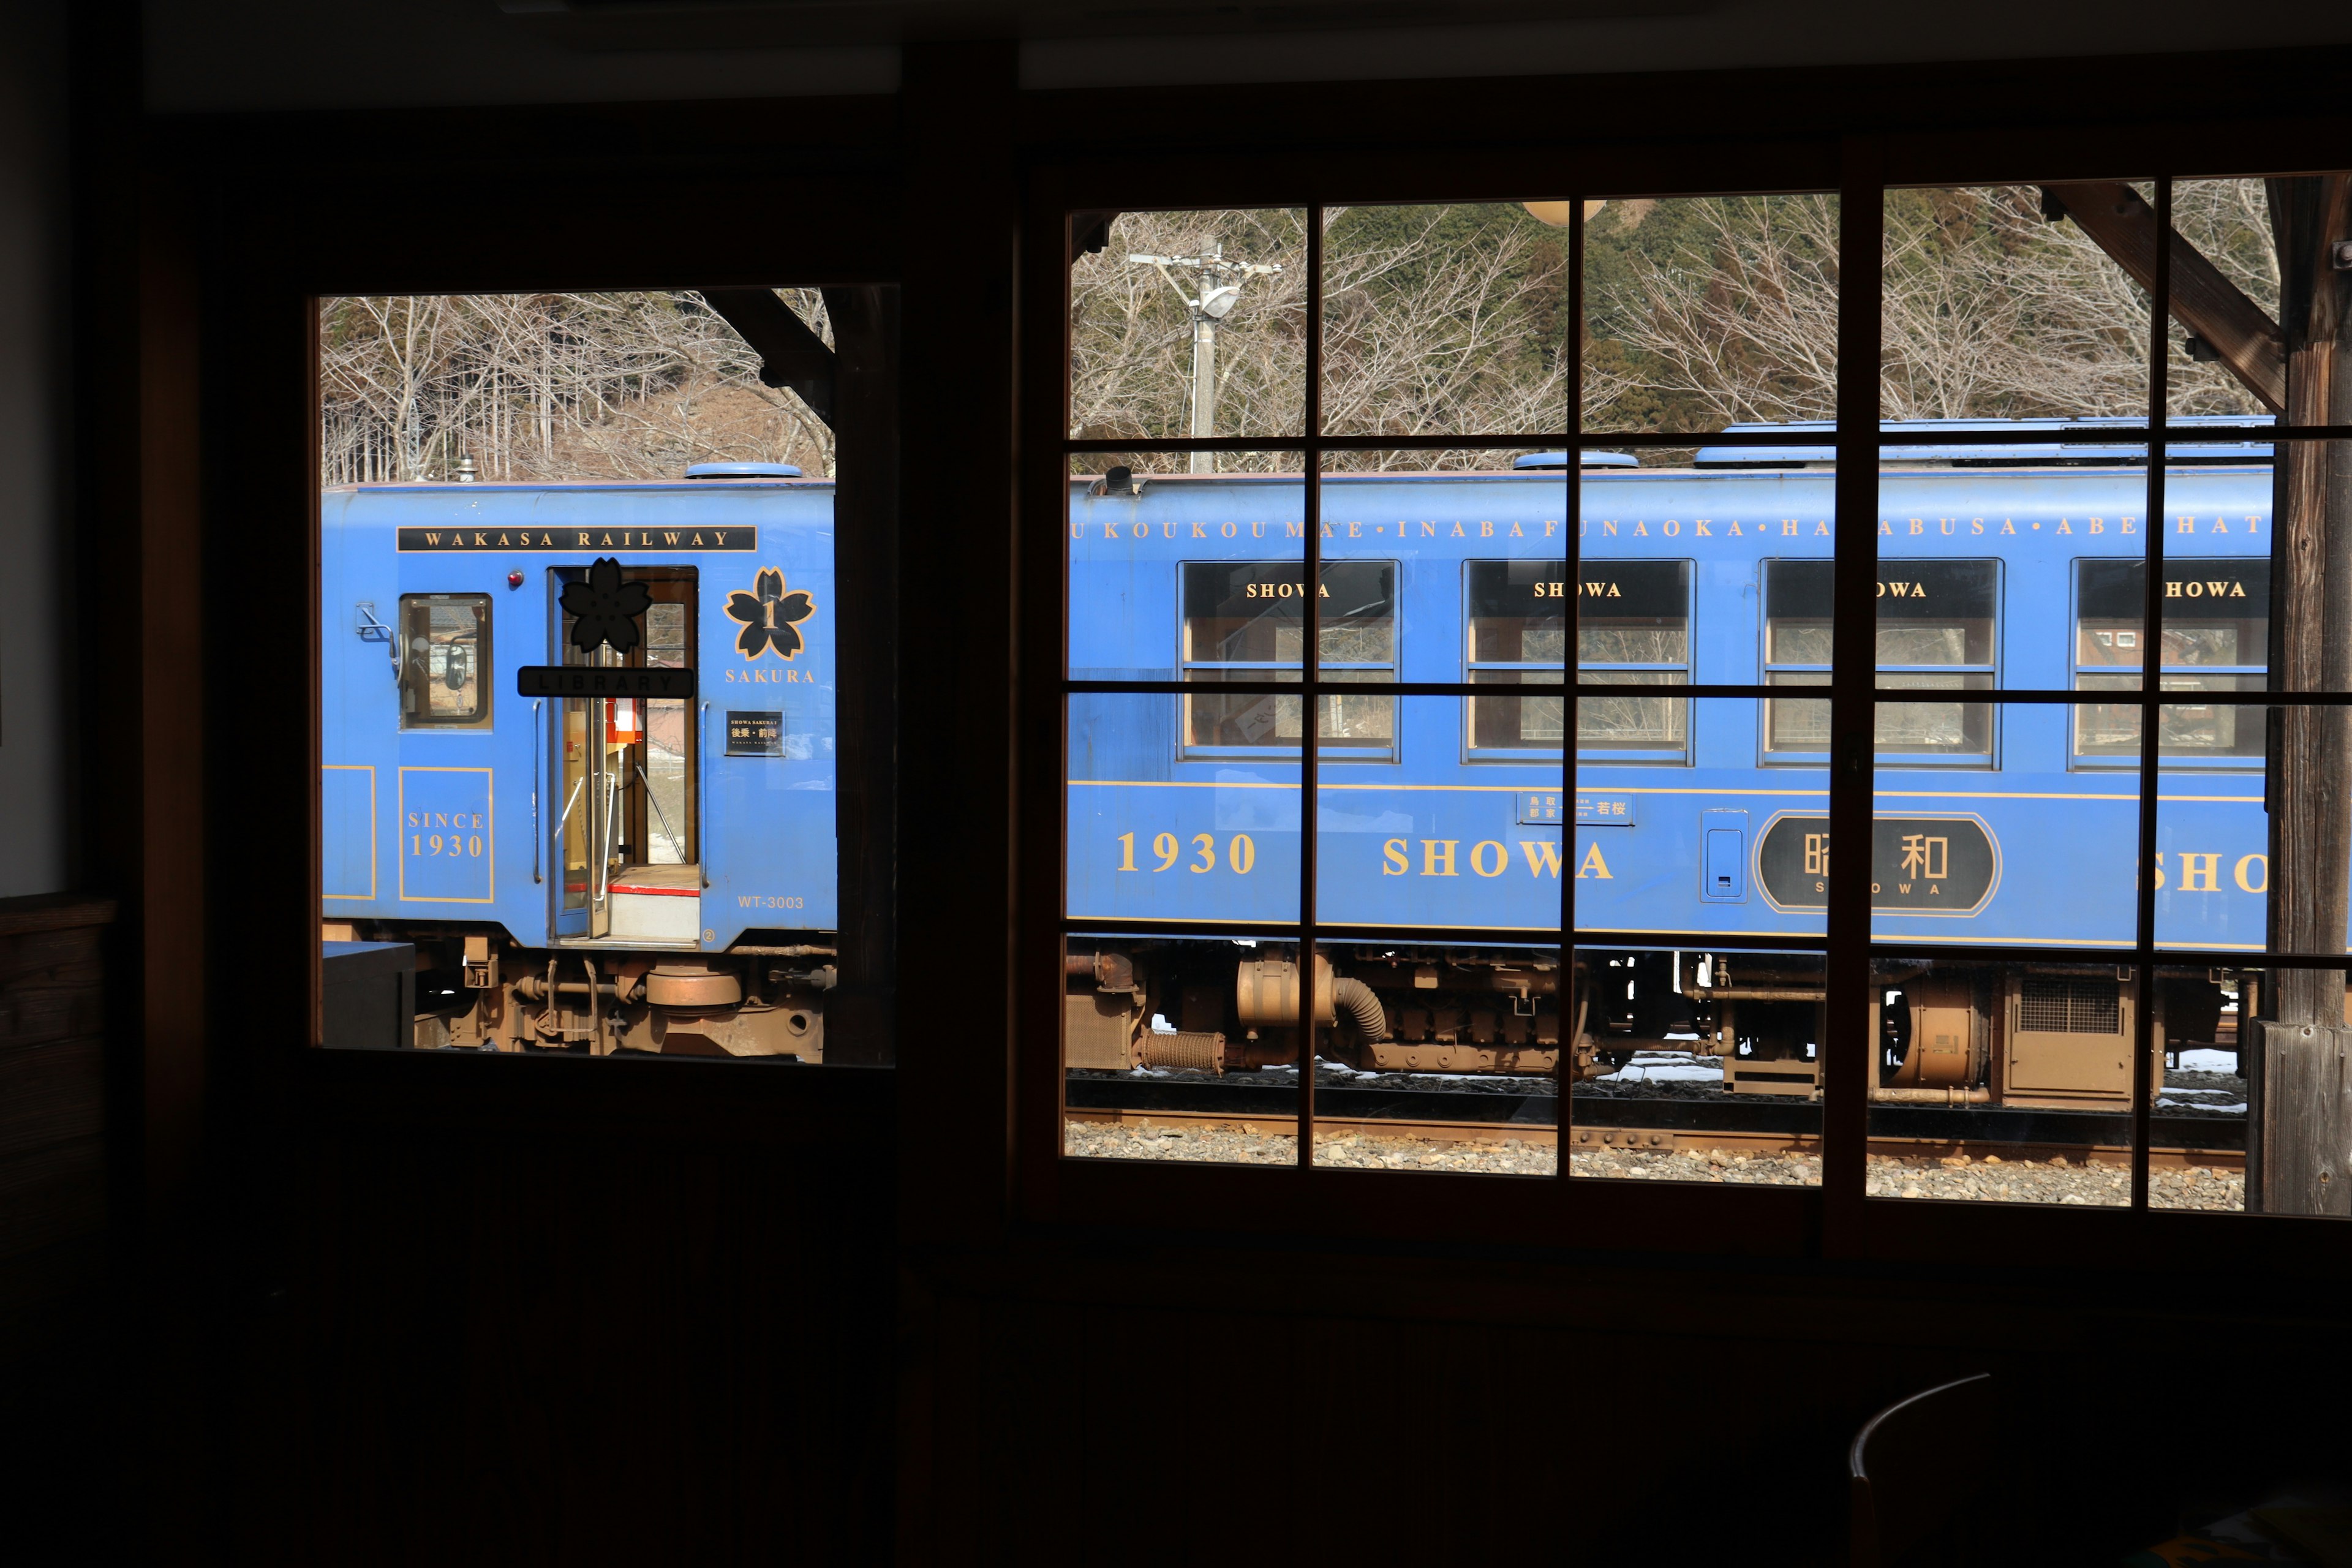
[457,1310]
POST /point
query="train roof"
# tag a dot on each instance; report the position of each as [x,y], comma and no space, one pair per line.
[698,485]
[2097,441]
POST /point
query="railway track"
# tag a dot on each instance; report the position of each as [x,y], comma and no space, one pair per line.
[1664,1124]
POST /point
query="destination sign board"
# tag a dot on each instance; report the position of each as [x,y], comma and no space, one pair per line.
[586,680]
[1919,864]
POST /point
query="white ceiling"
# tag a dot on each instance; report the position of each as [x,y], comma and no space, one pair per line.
[242,54]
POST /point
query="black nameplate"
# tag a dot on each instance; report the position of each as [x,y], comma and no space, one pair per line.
[755,734]
[462,541]
[583,681]
[1919,864]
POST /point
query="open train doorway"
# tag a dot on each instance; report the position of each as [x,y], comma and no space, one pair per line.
[628,771]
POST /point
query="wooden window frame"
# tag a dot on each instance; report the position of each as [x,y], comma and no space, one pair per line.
[1861,146]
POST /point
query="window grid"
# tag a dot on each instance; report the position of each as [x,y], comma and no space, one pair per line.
[1854,688]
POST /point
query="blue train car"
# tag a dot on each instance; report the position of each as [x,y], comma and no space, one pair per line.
[2001,567]
[604,873]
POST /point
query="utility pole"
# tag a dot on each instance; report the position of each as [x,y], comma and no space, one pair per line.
[1217,291]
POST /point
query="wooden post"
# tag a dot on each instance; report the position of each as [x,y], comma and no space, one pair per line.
[2299,1131]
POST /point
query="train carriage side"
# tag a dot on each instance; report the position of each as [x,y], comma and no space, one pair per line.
[1700,817]
[594,874]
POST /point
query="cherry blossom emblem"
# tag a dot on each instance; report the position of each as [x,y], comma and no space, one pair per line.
[604,608]
[768,615]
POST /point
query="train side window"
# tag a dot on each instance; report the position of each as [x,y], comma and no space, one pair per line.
[1518,633]
[1246,620]
[1796,653]
[1633,628]
[2216,637]
[1938,625]
[445,662]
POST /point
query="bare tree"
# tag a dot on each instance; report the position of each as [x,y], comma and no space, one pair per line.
[551,386]
[1433,324]
[1989,310]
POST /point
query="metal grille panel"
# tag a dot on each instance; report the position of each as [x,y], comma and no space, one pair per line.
[2063,1005]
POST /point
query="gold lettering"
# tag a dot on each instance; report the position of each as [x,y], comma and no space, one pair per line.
[1543,855]
[1594,866]
[1394,858]
[1431,859]
[2201,873]
[2239,873]
[1478,858]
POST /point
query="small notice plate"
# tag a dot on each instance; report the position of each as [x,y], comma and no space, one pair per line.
[1540,806]
[1605,810]
[754,734]
[585,680]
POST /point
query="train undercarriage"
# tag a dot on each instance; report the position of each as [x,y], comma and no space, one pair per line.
[480,991]
[1947,1032]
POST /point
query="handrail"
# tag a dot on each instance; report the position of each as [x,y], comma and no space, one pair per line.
[659,814]
[538,738]
[604,847]
[702,793]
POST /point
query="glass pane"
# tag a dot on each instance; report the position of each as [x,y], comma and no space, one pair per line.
[1440,1056]
[1190,323]
[2003,1082]
[2001,302]
[1431,842]
[2197,1136]
[1633,628]
[1180,1048]
[1719,847]
[2021,849]
[2247,859]
[1156,836]
[1698,1066]
[1197,579]
[1443,319]
[1704,312]
[2228,224]
[510,862]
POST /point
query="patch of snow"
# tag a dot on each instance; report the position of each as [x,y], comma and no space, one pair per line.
[1664,1066]
[2208,1061]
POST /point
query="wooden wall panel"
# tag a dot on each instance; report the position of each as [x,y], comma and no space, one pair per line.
[53,1209]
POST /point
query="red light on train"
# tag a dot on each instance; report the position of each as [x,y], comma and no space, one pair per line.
[514,579]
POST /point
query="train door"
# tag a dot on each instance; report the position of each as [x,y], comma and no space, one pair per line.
[626,772]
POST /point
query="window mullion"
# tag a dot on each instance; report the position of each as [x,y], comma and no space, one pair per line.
[1854,655]
[1310,740]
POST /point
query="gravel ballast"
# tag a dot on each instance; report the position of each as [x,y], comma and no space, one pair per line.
[1992,1180]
